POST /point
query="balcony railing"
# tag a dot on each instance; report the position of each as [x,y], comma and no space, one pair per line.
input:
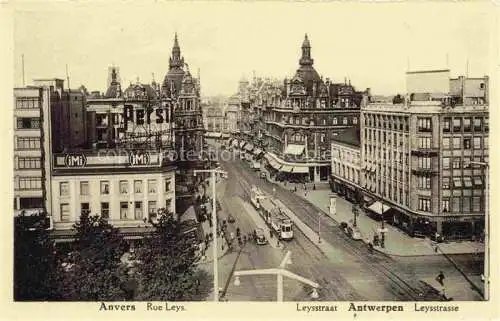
[425,151]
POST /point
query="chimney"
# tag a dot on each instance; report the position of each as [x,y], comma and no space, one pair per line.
[461,80]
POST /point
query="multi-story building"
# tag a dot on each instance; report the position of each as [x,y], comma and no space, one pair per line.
[416,155]
[231,115]
[303,120]
[346,164]
[32,148]
[124,186]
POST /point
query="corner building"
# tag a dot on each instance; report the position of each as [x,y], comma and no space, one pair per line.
[415,157]
[299,127]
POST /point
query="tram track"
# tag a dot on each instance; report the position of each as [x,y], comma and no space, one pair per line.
[376,263]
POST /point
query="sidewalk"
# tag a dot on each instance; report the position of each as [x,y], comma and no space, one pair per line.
[397,242]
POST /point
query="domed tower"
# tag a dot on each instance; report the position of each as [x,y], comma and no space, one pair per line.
[306,71]
[173,79]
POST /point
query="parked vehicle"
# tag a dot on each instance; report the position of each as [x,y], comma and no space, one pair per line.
[352,231]
[255,166]
[260,237]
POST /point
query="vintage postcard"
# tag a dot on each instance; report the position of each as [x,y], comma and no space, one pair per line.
[249,160]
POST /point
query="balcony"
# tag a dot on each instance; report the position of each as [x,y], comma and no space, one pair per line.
[425,152]
[426,172]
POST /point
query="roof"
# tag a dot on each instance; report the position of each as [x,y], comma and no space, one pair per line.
[427,71]
[349,136]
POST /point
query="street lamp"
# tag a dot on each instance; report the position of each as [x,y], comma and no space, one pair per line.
[382,231]
[486,167]
[214,226]
[280,272]
[319,227]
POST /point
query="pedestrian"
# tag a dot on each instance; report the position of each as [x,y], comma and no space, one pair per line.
[314,186]
[295,188]
[305,193]
[370,247]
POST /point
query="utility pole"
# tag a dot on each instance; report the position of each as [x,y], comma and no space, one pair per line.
[319,227]
[214,227]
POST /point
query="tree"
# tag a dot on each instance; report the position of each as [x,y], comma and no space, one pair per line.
[168,268]
[34,261]
[93,271]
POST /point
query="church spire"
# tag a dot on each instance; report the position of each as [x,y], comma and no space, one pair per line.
[306,59]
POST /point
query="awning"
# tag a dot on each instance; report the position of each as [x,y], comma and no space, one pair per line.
[235,142]
[225,135]
[286,168]
[268,158]
[300,169]
[294,149]
[242,143]
[257,151]
[275,164]
[377,208]
[249,147]
[213,135]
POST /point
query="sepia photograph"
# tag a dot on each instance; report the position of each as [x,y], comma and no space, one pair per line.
[330,155]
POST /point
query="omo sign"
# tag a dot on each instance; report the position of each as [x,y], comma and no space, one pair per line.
[139,158]
[75,160]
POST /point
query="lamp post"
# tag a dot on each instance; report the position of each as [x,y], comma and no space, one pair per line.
[319,227]
[280,272]
[486,168]
[214,226]
[382,232]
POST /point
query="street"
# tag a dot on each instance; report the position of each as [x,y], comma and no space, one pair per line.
[355,275]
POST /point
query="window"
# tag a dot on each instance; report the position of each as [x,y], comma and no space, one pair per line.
[466,204]
[85,208]
[446,183]
[355,120]
[457,124]
[84,188]
[478,181]
[456,142]
[335,120]
[424,204]
[424,124]
[467,124]
[455,204]
[137,187]
[123,210]
[424,182]
[486,124]
[457,182]
[138,211]
[104,187]
[478,124]
[467,181]
[424,142]
[152,186]
[29,163]
[486,143]
[168,204]
[64,212]
[28,143]
[123,187]
[28,123]
[446,125]
[344,121]
[476,204]
[456,163]
[27,103]
[152,207]
[63,188]
[446,162]
[446,143]
[105,210]
[29,183]
[424,162]
[446,205]
[477,142]
[467,143]
[167,186]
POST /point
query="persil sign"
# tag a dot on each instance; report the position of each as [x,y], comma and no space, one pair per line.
[148,115]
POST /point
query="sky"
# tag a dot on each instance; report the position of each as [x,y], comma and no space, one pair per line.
[373,45]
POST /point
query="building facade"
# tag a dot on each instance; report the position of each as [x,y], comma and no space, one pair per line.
[303,119]
[346,164]
[125,187]
[32,148]
[416,156]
